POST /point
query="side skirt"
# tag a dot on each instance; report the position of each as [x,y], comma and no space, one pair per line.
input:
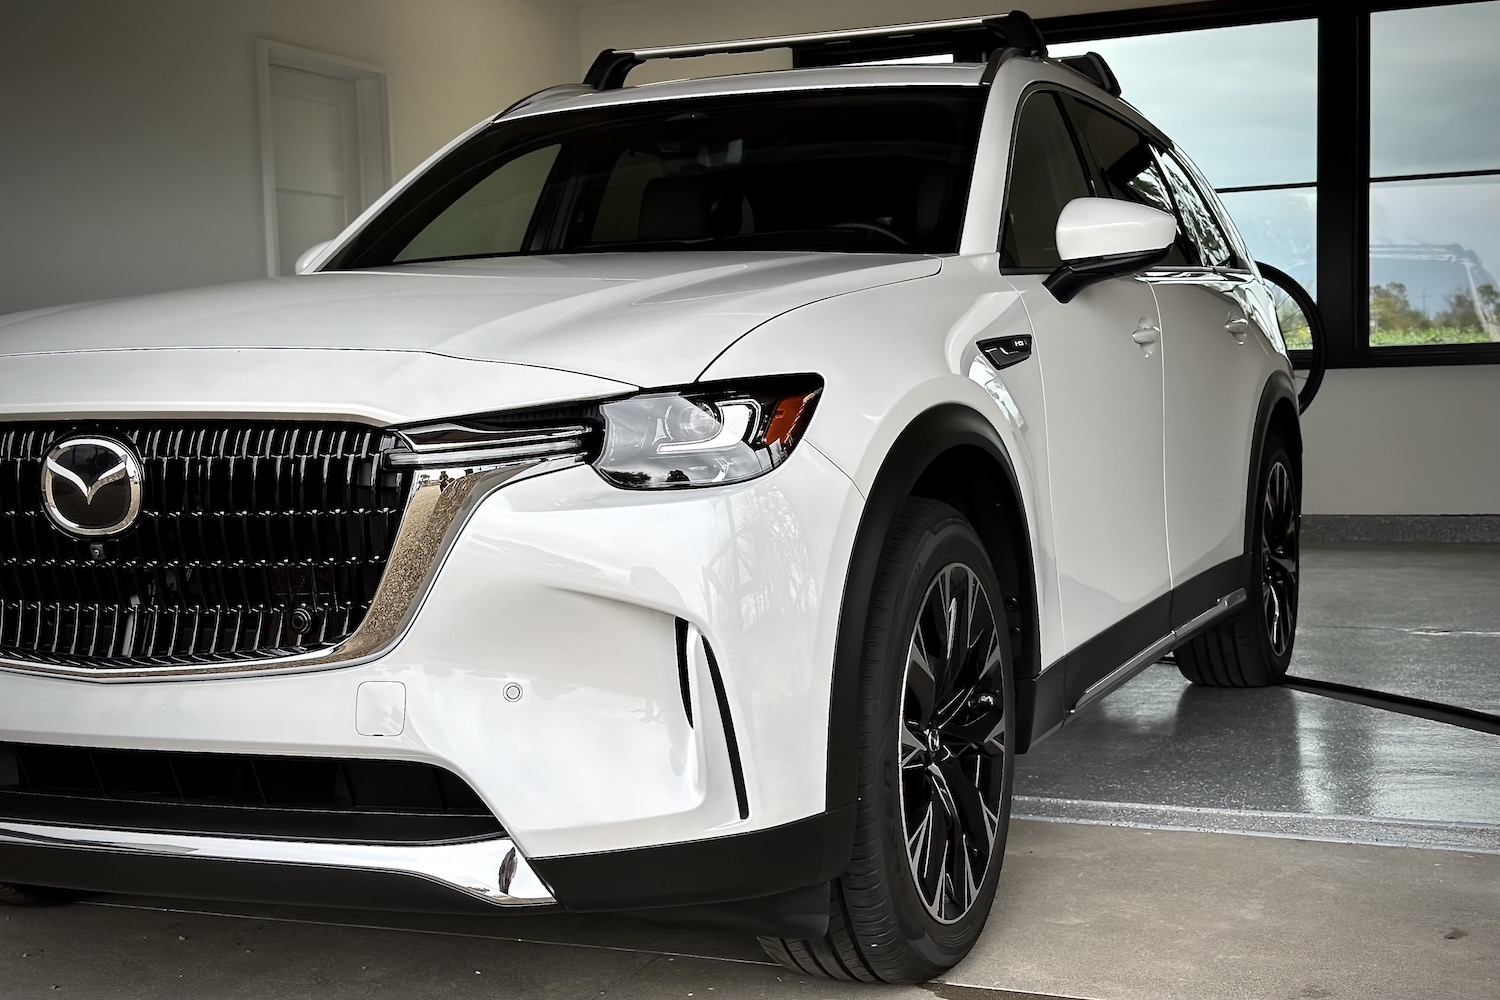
[1106,662]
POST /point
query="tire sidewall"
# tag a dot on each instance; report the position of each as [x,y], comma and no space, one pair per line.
[951,540]
[1275,452]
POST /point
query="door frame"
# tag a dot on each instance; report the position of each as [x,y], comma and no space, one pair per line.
[372,108]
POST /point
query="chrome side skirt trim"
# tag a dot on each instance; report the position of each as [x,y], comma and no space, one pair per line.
[438,507]
[490,870]
[1115,678]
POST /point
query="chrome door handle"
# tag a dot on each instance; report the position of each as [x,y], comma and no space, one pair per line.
[1144,335]
[1239,326]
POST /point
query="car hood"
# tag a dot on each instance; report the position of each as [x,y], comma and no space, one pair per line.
[641,318]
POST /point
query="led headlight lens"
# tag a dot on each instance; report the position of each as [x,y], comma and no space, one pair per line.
[669,440]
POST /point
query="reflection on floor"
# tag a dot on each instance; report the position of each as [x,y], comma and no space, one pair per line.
[1411,620]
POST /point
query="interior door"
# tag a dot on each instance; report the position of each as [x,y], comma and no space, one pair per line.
[316,140]
[1101,367]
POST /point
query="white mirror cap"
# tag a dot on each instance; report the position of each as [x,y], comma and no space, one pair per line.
[305,261]
[1104,227]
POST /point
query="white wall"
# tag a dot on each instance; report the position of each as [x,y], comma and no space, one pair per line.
[1405,441]
[129,149]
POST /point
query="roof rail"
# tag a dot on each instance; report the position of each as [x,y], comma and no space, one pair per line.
[1092,67]
[973,39]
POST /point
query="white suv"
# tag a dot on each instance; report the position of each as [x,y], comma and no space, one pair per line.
[680,499]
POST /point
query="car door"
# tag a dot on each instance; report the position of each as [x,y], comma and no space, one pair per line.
[1211,306]
[1101,371]
[1214,319]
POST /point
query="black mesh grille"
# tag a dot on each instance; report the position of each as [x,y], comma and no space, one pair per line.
[304,798]
[255,539]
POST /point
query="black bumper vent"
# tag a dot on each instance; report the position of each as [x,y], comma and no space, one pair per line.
[228,795]
[255,539]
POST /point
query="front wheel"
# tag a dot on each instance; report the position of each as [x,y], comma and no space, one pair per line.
[1254,648]
[937,752]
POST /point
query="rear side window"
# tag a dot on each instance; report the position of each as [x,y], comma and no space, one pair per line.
[1204,229]
[1045,174]
[1127,170]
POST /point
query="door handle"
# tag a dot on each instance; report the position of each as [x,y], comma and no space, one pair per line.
[1239,326]
[1146,334]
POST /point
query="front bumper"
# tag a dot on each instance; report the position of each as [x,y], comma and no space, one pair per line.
[547,667]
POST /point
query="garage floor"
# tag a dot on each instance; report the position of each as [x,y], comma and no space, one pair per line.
[1133,876]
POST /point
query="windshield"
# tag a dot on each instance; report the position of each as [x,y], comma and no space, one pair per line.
[876,170]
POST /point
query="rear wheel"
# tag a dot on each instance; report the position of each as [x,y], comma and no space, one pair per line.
[35,895]
[1254,648]
[937,737]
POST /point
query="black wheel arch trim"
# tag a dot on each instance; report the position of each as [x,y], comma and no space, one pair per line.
[931,434]
[1278,389]
[738,867]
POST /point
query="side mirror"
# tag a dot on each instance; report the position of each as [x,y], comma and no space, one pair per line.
[1100,238]
[306,258]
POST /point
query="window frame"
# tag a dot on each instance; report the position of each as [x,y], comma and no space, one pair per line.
[1343,182]
[1085,164]
[1096,172]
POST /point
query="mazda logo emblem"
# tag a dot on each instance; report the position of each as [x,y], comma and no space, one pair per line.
[91,486]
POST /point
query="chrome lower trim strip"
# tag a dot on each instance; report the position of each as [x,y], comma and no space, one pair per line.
[491,870]
[1116,678]
[439,505]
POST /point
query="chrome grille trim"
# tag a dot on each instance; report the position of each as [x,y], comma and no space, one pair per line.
[438,504]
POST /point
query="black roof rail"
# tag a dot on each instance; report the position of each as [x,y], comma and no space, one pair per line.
[972,39]
[1092,67]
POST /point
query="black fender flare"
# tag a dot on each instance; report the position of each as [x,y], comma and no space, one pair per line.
[929,435]
[1279,388]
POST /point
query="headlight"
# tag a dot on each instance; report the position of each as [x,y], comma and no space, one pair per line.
[705,436]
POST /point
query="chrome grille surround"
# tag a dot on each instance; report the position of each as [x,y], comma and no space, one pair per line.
[421,510]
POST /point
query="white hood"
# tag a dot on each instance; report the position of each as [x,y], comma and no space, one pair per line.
[641,319]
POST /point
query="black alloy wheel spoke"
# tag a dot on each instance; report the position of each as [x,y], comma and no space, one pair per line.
[952,742]
[1279,554]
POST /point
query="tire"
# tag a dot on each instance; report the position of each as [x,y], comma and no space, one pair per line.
[1254,648]
[913,761]
[35,895]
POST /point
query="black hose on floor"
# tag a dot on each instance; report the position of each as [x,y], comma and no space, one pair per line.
[1452,715]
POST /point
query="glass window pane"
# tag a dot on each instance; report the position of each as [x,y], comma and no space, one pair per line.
[1045,175]
[1281,229]
[1434,74]
[492,217]
[1433,247]
[1242,101]
[1213,248]
[1127,169]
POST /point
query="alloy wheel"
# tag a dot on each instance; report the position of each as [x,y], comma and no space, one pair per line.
[952,739]
[1278,543]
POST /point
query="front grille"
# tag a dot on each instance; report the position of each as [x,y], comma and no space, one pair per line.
[255,539]
[229,795]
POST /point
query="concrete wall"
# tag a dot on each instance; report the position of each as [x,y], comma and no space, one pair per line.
[129,142]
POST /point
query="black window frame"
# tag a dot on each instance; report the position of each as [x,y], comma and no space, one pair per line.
[1343,180]
[1097,175]
[1080,151]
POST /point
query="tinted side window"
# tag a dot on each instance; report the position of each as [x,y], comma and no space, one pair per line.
[1239,254]
[1197,216]
[1127,169]
[1045,174]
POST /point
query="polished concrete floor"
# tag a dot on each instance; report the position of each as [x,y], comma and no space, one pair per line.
[1134,878]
